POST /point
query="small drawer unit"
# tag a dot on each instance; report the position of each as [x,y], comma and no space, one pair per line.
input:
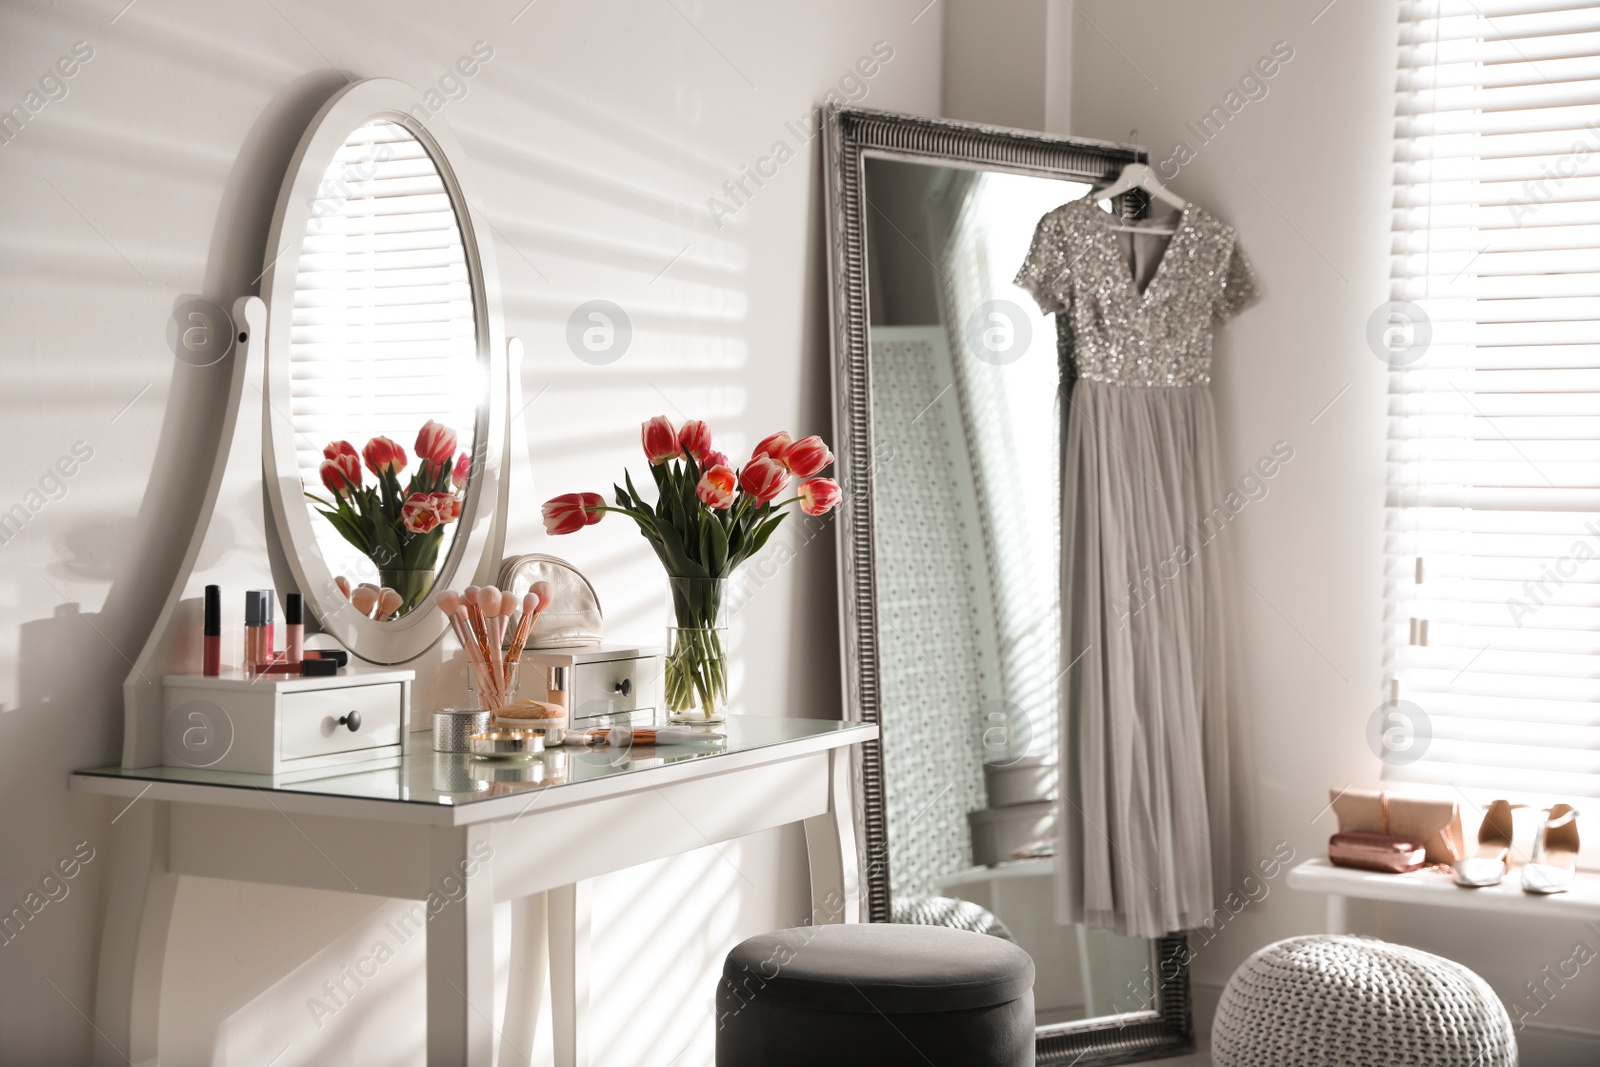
[269,725]
[607,685]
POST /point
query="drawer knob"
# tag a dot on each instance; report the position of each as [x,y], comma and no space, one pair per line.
[352,720]
[625,686]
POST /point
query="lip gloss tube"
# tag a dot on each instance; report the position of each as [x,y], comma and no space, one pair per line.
[269,643]
[294,630]
[211,633]
[252,630]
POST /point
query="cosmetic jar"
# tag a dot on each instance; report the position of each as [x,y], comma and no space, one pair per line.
[452,727]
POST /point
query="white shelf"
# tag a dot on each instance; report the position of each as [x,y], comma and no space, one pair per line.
[1006,871]
[1579,904]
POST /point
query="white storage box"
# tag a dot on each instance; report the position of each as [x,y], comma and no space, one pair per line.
[606,684]
[270,724]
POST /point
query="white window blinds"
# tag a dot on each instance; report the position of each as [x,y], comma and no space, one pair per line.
[1493,541]
[384,337]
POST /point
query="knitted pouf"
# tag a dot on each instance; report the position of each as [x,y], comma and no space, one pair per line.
[1332,1001]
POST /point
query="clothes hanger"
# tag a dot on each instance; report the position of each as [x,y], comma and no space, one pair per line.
[1140,176]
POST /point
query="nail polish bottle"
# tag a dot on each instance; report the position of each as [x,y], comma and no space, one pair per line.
[211,633]
[294,630]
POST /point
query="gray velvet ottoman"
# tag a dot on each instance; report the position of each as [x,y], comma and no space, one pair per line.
[875,993]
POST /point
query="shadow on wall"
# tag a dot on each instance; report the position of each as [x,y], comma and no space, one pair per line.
[677,347]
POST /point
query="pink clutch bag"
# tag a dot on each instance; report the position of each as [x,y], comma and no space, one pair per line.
[1377,852]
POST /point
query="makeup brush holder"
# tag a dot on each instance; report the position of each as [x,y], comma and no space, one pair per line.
[476,698]
[270,725]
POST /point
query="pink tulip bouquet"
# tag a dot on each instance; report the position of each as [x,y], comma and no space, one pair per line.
[399,528]
[708,518]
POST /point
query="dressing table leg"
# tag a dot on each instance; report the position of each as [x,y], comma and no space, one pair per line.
[530,955]
[127,1003]
[831,847]
[1338,914]
[571,932]
[460,948]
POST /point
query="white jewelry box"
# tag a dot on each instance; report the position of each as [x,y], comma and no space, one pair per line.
[271,724]
[606,684]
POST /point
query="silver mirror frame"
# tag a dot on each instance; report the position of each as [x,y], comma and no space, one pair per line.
[476,540]
[853,136]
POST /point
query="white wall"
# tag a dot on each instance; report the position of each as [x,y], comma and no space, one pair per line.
[1304,175]
[601,131]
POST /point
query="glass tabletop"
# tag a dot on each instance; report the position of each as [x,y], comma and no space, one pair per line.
[428,777]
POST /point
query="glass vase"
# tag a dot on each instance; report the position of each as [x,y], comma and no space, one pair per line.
[696,672]
[412,585]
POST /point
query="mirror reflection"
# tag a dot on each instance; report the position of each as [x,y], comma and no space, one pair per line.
[385,379]
[966,408]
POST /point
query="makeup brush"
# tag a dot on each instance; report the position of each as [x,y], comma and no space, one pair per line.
[494,629]
[469,600]
[449,602]
[344,585]
[508,669]
[477,654]
[519,638]
[494,625]
[389,602]
[364,598]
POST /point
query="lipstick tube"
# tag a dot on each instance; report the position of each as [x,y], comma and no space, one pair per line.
[211,633]
[252,630]
[269,643]
[294,630]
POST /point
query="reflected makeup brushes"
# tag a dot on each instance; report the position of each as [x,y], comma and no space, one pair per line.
[364,598]
[389,602]
[373,601]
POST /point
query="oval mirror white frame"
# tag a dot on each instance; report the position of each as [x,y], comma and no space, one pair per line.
[475,542]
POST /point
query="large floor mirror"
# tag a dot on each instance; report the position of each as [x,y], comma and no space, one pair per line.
[950,396]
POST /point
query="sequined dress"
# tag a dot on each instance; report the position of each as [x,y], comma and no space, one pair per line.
[1144,820]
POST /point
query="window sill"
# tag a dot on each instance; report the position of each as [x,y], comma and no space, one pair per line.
[1579,904]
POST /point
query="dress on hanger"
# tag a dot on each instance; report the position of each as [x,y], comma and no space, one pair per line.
[1144,821]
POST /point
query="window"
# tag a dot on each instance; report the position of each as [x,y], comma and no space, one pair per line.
[1493,541]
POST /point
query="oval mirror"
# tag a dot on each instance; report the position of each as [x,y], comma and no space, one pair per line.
[383,376]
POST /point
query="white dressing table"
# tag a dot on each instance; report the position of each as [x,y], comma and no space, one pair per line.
[461,835]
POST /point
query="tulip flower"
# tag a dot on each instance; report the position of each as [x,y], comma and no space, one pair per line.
[714,458]
[695,439]
[775,446]
[462,471]
[763,478]
[419,514]
[807,456]
[571,512]
[341,468]
[716,487]
[447,505]
[436,443]
[660,440]
[383,456]
[819,496]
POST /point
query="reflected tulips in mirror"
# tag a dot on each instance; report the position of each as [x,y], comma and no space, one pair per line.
[398,527]
[708,518]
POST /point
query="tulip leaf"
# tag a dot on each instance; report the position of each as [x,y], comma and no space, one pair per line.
[714,548]
[679,565]
[758,540]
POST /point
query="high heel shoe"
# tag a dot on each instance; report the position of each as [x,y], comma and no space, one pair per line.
[1493,858]
[1555,853]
